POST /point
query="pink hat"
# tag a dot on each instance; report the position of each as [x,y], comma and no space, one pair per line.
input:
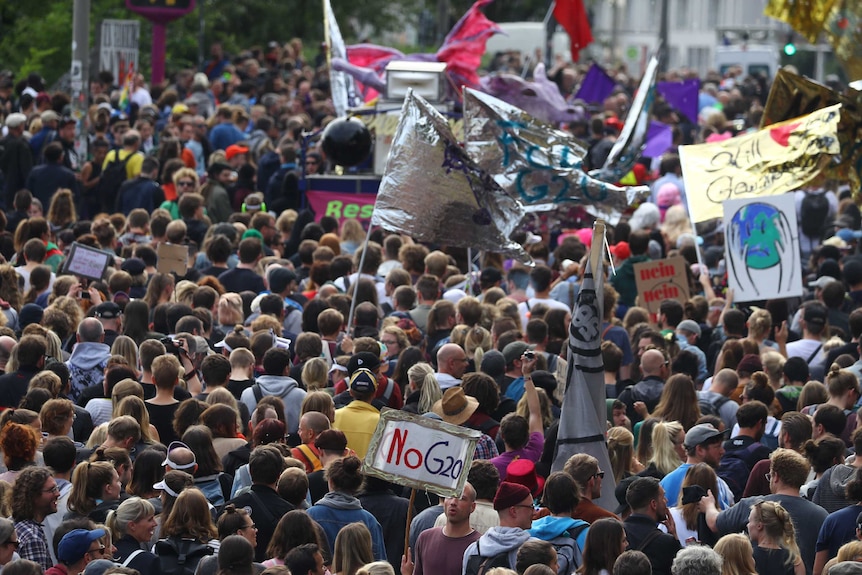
[668,195]
[585,235]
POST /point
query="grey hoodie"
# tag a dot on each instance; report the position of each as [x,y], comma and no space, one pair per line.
[280,386]
[86,366]
[495,541]
[830,493]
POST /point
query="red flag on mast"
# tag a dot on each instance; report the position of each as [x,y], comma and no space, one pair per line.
[573,17]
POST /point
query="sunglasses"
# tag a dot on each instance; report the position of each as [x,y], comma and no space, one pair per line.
[186,184]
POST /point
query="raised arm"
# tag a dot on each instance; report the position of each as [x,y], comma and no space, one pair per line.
[528,365]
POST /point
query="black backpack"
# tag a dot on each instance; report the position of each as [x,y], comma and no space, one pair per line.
[711,406]
[113,176]
[479,565]
[815,209]
[735,467]
[180,557]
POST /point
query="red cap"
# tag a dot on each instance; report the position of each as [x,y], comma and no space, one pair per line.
[621,250]
[235,150]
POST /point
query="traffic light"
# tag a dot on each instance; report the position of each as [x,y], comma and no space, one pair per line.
[789,46]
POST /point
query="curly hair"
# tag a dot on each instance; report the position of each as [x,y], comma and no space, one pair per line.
[19,443]
[28,488]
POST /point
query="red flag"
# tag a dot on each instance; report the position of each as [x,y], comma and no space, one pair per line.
[572,16]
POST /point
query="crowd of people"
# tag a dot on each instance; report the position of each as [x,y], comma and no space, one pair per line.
[212,414]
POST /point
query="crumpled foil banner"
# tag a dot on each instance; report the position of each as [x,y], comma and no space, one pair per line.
[343,88]
[793,96]
[627,148]
[432,191]
[534,162]
[839,20]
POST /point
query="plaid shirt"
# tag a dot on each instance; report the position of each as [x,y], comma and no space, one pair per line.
[485,448]
[33,543]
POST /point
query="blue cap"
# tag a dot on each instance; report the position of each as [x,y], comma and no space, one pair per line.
[76,543]
[848,235]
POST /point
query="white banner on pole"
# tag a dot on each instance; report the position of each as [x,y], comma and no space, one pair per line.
[119,47]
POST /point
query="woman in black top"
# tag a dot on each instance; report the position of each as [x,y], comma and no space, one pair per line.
[774,540]
[132,526]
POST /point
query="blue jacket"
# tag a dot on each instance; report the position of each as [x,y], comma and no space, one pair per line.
[338,509]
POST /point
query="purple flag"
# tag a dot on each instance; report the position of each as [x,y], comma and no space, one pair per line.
[659,140]
[682,96]
[596,86]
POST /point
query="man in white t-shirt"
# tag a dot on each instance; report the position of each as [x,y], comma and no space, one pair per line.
[540,280]
[810,347]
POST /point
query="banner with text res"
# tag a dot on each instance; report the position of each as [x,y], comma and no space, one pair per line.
[342,206]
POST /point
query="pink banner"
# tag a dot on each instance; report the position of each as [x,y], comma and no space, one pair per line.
[342,206]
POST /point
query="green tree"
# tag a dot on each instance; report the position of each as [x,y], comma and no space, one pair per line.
[37,36]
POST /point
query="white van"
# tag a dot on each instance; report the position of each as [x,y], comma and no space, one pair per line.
[526,37]
[753,58]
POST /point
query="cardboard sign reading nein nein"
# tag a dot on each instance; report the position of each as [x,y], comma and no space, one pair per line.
[421,453]
[659,280]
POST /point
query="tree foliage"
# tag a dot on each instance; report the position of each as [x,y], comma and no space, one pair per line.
[37,35]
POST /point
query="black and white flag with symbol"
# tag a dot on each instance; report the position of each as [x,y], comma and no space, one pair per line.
[583,421]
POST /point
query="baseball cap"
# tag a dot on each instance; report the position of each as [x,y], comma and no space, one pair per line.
[179,109]
[15,120]
[108,310]
[621,250]
[514,350]
[848,235]
[689,325]
[700,434]
[815,313]
[50,116]
[173,464]
[821,282]
[280,278]
[363,360]
[75,544]
[235,150]
[363,381]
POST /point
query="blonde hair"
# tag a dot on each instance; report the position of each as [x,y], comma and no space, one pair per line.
[477,342]
[377,568]
[314,373]
[851,551]
[759,324]
[186,173]
[773,366]
[126,347]
[523,409]
[621,444]
[352,549]
[185,291]
[131,510]
[230,309]
[737,553]
[778,527]
[134,406]
[98,437]
[664,456]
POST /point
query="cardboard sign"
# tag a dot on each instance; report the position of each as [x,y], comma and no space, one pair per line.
[660,280]
[762,248]
[173,258]
[421,453]
[87,262]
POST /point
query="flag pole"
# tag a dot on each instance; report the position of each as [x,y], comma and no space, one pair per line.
[549,37]
[358,277]
[326,37]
